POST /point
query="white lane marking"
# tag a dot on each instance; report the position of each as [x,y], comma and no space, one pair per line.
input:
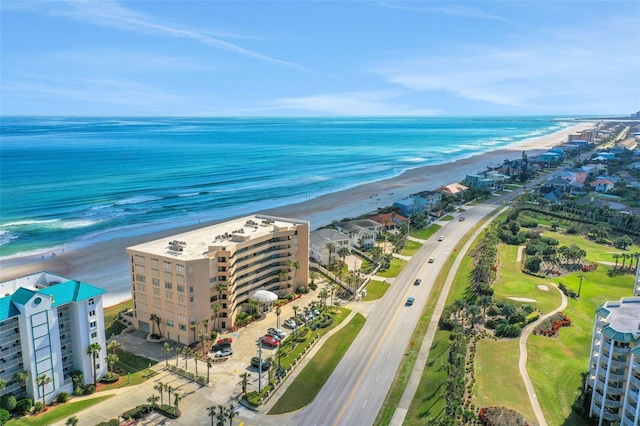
[365,403]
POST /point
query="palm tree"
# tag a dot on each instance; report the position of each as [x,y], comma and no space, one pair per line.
[216,308]
[152,400]
[167,348]
[3,384]
[167,388]
[331,247]
[209,364]
[278,312]
[296,266]
[160,388]
[196,357]
[113,346]
[314,276]
[244,381]
[22,377]
[231,413]
[323,294]
[203,340]
[152,318]
[158,321]
[42,381]
[205,323]
[212,412]
[112,359]
[283,276]
[176,398]
[221,416]
[194,326]
[93,350]
[343,253]
[293,334]
[72,421]
[186,352]
[221,288]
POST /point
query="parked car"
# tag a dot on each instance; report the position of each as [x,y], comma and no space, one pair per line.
[224,352]
[432,259]
[277,332]
[441,237]
[417,281]
[225,340]
[255,362]
[315,312]
[270,341]
[290,323]
[410,301]
[220,346]
[461,218]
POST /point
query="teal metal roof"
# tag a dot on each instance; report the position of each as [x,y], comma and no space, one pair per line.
[603,312]
[71,291]
[618,336]
[7,309]
[22,295]
[636,351]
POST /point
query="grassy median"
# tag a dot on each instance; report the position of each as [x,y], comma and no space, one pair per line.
[315,374]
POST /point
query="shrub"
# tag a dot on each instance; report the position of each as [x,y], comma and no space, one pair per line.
[302,290]
[313,286]
[533,263]
[242,315]
[77,391]
[38,406]
[112,422]
[325,321]
[533,316]
[500,416]
[137,412]
[23,406]
[89,389]
[253,398]
[4,416]
[508,330]
[8,402]
[528,223]
[302,334]
[62,397]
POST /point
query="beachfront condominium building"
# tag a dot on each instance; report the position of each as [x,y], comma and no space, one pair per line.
[614,367]
[47,322]
[202,279]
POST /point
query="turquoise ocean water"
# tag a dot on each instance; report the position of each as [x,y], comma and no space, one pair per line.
[79,180]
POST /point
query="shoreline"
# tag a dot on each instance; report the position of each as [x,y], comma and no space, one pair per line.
[105,263]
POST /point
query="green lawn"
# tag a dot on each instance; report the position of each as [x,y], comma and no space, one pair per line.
[315,374]
[410,248]
[375,290]
[136,370]
[500,383]
[111,326]
[290,353]
[511,282]
[394,269]
[57,413]
[446,218]
[426,233]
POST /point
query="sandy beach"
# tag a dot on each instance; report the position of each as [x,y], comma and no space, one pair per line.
[105,264]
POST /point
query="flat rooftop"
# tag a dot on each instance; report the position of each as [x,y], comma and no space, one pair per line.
[193,245]
[625,315]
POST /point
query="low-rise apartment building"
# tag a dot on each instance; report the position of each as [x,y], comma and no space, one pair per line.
[47,322]
[175,281]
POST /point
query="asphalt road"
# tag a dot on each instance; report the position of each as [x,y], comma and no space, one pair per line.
[356,390]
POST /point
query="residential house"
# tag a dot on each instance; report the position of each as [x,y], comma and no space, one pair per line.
[408,206]
[479,181]
[602,185]
[319,239]
[455,189]
[47,322]
[427,200]
[391,221]
[363,232]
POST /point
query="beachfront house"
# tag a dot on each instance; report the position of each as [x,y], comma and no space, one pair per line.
[47,322]
[320,240]
[176,280]
[548,159]
[408,206]
[363,232]
[390,221]
[478,181]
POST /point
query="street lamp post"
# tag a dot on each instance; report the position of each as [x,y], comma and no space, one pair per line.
[580,286]
[259,367]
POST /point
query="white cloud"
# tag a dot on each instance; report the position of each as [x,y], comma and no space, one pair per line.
[443,8]
[351,103]
[113,14]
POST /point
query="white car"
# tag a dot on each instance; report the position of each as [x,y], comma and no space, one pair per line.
[224,352]
[276,332]
[440,238]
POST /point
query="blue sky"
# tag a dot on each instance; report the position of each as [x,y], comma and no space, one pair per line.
[324,58]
